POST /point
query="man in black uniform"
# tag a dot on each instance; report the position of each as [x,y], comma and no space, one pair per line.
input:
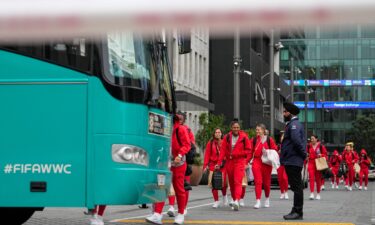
[293,153]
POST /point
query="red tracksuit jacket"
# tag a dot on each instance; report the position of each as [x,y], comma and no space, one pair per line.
[242,149]
[184,140]
[212,153]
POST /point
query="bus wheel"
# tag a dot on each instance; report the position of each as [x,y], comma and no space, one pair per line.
[16,216]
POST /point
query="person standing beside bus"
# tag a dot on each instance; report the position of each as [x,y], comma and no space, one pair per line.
[235,148]
[334,163]
[315,150]
[178,169]
[187,175]
[262,172]
[293,154]
[211,156]
[364,163]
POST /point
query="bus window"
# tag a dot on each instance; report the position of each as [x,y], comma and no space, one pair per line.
[127,58]
[72,54]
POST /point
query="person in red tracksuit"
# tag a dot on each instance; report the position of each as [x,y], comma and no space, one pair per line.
[334,163]
[315,150]
[364,163]
[235,148]
[192,142]
[178,170]
[350,157]
[211,156]
[262,172]
[282,177]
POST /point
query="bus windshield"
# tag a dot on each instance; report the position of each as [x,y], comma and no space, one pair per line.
[141,64]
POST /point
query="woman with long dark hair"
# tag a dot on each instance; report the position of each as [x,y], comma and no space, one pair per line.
[211,156]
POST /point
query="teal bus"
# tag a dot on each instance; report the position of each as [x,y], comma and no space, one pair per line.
[84,122]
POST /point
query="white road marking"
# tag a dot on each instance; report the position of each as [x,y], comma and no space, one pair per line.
[144,216]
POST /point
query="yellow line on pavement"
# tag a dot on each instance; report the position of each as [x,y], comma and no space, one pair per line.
[239,222]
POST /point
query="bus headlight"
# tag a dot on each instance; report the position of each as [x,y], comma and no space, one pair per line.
[129,154]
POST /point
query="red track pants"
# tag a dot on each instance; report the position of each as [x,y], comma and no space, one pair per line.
[335,171]
[99,209]
[262,177]
[315,176]
[350,176]
[282,178]
[178,175]
[361,174]
[236,170]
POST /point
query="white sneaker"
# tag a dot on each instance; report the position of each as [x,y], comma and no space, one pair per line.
[231,203]
[332,186]
[179,219]
[317,197]
[282,196]
[225,200]
[185,212]
[322,188]
[360,188]
[171,211]
[350,188]
[267,203]
[347,187]
[337,187]
[311,196]
[96,220]
[257,204]
[236,206]
[154,218]
[365,188]
[286,196]
[242,203]
[216,204]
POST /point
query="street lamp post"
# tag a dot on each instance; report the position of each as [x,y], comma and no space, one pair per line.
[272,116]
[236,74]
[306,102]
[291,79]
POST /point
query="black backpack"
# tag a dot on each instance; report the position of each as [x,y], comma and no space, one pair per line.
[343,169]
[191,153]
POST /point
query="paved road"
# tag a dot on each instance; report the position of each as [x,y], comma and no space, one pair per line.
[335,207]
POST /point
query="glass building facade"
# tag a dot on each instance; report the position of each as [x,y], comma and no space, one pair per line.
[338,66]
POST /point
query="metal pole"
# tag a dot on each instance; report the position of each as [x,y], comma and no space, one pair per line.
[236,74]
[322,122]
[272,116]
[315,111]
[292,79]
[306,101]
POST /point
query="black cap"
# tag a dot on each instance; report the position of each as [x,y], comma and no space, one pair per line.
[290,107]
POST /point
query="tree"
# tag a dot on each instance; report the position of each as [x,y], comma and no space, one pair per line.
[363,134]
[208,123]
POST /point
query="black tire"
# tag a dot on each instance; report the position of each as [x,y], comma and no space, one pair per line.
[16,216]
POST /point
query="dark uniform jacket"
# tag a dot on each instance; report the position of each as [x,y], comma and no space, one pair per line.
[293,147]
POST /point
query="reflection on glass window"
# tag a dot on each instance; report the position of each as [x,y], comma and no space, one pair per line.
[140,64]
[127,58]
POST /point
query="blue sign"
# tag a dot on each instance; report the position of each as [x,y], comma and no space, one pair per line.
[327,83]
[336,105]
